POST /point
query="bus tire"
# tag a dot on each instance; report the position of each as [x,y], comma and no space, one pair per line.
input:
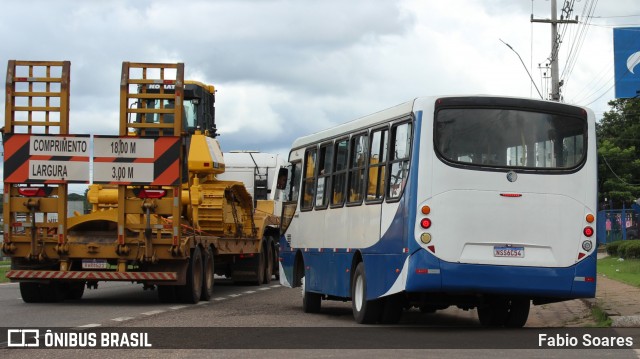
[392,309]
[191,291]
[311,302]
[518,312]
[207,275]
[364,311]
[494,313]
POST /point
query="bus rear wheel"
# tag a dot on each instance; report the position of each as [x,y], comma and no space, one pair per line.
[311,302]
[364,311]
[504,312]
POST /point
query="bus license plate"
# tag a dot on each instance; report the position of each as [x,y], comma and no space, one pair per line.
[94,264]
[517,252]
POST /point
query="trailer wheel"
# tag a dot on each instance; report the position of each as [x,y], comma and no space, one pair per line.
[74,290]
[259,266]
[191,291]
[41,293]
[30,292]
[167,293]
[364,311]
[268,268]
[207,275]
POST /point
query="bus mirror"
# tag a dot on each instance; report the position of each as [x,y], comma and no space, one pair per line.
[283,173]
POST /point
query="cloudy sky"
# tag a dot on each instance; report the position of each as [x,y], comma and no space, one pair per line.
[285,68]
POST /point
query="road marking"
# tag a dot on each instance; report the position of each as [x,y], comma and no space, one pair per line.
[122,319]
[178,307]
[276,286]
[202,303]
[264,288]
[153,312]
[86,326]
[235,295]
[250,292]
[219,298]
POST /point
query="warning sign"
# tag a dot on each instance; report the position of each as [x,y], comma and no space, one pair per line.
[136,160]
[46,158]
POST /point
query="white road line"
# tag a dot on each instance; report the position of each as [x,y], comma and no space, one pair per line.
[178,307]
[202,303]
[250,292]
[235,295]
[86,326]
[219,298]
[276,286]
[264,288]
[153,312]
[122,319]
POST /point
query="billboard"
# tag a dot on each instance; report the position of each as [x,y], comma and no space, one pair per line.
[626,50]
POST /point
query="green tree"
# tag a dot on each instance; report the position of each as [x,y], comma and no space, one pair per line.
[618,136]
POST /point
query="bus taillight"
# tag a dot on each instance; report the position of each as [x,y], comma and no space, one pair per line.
[425,223]
[587,231]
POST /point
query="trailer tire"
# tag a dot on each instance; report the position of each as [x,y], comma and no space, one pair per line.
[207,275]
[268,267]
[30,292]
[259,263]
[191,291]
[167,293]
[74,290]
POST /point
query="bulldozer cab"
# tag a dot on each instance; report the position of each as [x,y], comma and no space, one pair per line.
[198,109]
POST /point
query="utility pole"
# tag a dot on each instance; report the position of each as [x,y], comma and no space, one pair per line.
[555,46]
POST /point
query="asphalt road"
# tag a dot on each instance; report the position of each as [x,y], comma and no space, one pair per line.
[267,321]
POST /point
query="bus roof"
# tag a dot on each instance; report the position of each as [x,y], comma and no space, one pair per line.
[362,122]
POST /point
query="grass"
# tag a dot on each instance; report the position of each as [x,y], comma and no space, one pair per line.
[601,318]
[626,271]
[4,268]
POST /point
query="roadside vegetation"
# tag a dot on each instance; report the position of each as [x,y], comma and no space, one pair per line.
[4,268]
[623,262]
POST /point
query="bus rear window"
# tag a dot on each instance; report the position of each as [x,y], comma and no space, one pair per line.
[510,138]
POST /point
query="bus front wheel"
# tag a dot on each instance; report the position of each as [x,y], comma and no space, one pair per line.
[364,311]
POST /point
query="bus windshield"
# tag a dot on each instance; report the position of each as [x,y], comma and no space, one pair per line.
[510,138]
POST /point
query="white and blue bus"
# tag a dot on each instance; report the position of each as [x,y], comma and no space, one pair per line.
[476,202]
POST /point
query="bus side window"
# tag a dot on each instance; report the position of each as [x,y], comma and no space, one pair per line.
[309,179]
[377,164]
[339,175]
[324,175]
[357,164]
[401,142]
[291,190]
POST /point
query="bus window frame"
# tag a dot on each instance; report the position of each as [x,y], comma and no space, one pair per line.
[345,171]
[386,127]
[327,177]
[351,169]
[390,161]
[304,178]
